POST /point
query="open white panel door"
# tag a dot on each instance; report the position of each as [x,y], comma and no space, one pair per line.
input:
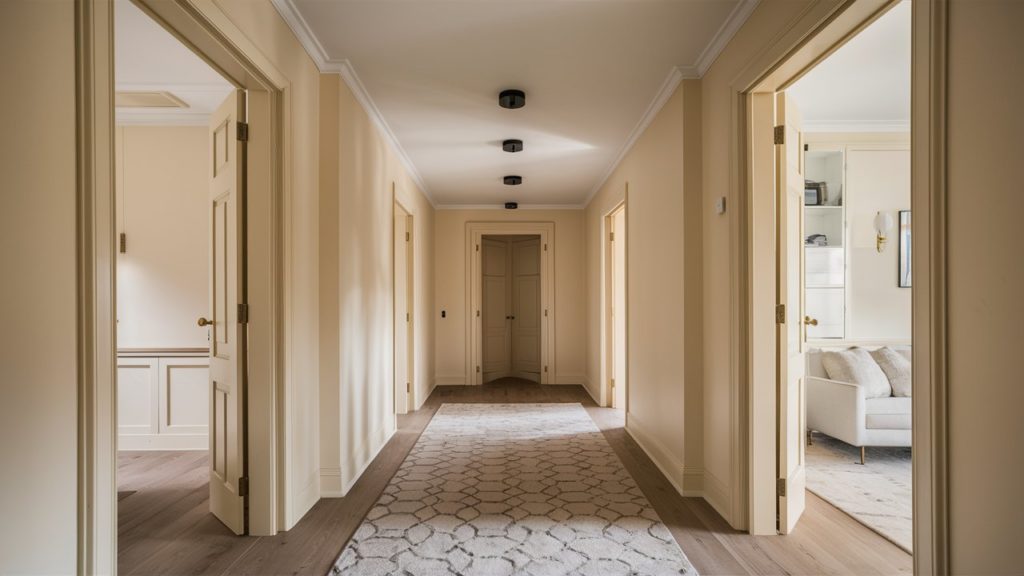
[402,312]
[496,317]
[227,335]
[791,361]
[526,309]
[619,309]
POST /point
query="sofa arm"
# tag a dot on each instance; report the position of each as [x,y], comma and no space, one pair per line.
[836,408]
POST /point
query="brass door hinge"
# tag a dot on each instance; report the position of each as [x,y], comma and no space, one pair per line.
[124,243]
[780,486]
[780,134]
[545,247]
[243,313]
[780,314]
[243,486]
[611,236]
[613,382]
[477,369]
[406,316]
[243,132]
[406,236]
[408,388]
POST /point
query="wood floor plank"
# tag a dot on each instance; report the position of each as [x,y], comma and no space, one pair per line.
[166,528]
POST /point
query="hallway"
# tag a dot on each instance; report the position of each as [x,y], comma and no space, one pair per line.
[170,531]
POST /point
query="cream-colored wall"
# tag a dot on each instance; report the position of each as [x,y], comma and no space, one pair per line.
[275,43]
[162,194]
[662,172]
[986,272]
[451,285]
[722,383]
[38,347]
[358,171]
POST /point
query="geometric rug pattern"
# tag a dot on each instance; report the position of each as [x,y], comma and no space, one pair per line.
[512,489]
[878,494]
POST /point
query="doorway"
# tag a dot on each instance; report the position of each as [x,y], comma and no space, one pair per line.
[181,287]
[403,305]
[511,314]
[808,236]
[616,310]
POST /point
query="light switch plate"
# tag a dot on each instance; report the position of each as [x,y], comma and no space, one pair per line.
[720,205]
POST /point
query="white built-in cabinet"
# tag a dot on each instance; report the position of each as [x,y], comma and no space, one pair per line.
[163,402]
[851,288]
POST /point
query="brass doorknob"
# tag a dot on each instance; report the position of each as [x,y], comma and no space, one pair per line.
[810,321]
[205,322]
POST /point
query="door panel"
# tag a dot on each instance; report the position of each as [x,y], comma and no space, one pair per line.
[402,382]
[495,321]
[619,309]
[791,333]
[227,348]
[526,309]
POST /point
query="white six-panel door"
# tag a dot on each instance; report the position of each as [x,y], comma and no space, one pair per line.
[227,346]
[791,334]
[496,313]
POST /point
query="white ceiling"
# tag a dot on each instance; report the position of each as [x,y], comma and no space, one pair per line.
[865,85]
[592,70]
[148,58]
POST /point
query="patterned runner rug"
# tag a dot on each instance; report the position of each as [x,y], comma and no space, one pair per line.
[495,489]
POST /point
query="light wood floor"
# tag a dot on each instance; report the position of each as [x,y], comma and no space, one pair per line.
[165,526]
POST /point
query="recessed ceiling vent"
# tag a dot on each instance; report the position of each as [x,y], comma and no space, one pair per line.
[148,100]
[513,180]
[512,145]
[512,99]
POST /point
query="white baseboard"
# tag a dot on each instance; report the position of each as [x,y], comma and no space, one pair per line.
[365,458]
[330,483]
[716,493]
[450,380]
[693,482]
[163,442]
[669,465]
[580,379]
[586,386]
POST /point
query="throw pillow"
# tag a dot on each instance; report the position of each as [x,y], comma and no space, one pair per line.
[856,366]
[896,368]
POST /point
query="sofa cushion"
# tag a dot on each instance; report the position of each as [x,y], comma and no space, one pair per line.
[856,366]
[893,413]
[896,367]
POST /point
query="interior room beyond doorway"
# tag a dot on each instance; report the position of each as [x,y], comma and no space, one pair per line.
[511,312]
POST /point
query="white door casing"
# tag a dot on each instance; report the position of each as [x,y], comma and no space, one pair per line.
[526,312]
[790,329]
[618,310]
[403,311]
[475,232]
[227,334]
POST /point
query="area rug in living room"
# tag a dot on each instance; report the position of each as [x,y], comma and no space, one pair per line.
[877,494]
[531,489]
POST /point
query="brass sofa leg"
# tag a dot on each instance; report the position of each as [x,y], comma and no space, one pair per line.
[862,448]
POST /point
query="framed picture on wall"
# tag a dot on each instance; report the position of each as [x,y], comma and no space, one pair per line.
[904,265]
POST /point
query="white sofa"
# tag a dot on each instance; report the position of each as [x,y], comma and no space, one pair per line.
[841,410]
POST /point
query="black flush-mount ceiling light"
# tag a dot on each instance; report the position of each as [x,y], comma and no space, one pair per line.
[513,180]
[512,145]
[512,99]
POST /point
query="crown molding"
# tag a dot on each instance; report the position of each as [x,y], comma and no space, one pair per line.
[291,15]
[344,68]
[668,87]
[502,207]
[721,39]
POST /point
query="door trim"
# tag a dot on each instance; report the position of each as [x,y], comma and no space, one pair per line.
[475,231]
[410,364]
[608,325]
[207,30]
[822,28]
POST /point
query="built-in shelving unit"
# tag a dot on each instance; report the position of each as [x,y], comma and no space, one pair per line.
[824,233]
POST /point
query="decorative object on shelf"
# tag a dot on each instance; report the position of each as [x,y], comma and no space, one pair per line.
[815,193]
[817,240]
[904,266]
[883,225]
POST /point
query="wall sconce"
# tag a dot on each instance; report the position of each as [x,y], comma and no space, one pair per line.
[883,225]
